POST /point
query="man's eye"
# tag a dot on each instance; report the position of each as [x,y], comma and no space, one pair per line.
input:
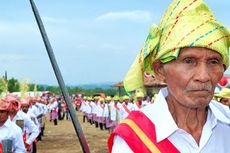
[189,60]
[214,61]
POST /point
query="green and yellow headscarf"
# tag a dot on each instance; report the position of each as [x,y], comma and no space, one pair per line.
[186,23]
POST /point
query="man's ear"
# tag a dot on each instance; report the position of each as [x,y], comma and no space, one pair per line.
[159,72]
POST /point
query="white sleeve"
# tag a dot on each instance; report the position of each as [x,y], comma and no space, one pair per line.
[120,146]
[33,129]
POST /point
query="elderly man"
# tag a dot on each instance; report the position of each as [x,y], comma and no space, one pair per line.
[189,51]
[10,131]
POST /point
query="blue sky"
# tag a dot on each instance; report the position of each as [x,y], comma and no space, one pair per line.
[93,41]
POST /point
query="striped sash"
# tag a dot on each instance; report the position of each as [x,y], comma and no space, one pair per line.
[126,108]
[138,129]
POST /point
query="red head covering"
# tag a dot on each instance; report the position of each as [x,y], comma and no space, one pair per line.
[25,102]
[12,99]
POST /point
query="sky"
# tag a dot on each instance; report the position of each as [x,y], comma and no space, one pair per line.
[94,41]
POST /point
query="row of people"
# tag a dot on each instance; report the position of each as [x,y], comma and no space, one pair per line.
[21,123]
[108,112]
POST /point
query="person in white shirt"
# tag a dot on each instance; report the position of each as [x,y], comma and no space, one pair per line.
[189,51]
[115,114]
[223,96]
[100,112]
[25,104]
[138,102]
[22,120]
[107,112]
[54,110]
[9,131]
[126,107]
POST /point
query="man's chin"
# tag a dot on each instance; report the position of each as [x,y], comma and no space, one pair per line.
[199,103]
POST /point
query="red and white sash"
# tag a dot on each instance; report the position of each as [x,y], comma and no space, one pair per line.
[133,132]
[126,108]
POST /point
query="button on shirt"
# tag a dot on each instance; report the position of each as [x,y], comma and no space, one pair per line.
[12,132]
[215,134]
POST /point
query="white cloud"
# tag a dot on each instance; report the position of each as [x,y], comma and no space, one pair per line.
[136,16]
[5,57]
[54,20]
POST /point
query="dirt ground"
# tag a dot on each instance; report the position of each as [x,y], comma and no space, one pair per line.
[62,138]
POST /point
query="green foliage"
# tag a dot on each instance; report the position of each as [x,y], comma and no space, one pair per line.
[14,86]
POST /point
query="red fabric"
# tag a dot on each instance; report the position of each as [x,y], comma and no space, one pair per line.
[126,108]
[24,137]
[124,131]
[117,108]
[102,106]
[24,140]
[223,81]
[0,148]
[138,105]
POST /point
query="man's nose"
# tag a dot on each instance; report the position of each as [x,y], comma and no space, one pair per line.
[202,73]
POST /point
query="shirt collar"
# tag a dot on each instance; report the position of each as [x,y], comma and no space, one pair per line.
[7,123]
[159,114]
[220,112]
[164,123]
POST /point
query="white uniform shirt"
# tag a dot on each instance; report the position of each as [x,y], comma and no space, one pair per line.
[100,109]
[114,112]
[123,112]
[34,109]
[94,107]
[215,136]
[88,107]
[12,132]
[28,124]
[32,116]
[83,106]
[106,110]
[54,106]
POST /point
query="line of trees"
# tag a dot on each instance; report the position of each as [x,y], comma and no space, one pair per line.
[13,85]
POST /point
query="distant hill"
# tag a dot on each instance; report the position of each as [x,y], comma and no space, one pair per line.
[96,85]
[104,85]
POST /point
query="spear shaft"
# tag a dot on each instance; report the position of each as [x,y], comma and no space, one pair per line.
[60,80]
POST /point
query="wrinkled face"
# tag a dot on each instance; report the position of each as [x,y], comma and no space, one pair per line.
[3,116]
[191,79]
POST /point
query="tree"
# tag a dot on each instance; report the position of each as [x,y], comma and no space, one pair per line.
[13,85]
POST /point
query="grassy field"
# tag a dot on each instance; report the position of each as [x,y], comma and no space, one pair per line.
[62,138]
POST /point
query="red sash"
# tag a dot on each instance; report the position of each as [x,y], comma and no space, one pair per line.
[138,105]
[134,132]
[101,105]
[126,108]
[24,139]
[117,108]
[0,148]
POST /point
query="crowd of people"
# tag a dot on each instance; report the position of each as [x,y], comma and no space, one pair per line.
[107,112]
[22,120]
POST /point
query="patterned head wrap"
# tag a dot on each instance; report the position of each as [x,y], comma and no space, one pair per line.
[186,23]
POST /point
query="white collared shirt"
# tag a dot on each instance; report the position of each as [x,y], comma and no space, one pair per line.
[124,114]
[215,135]
[28,124]
[12,132]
